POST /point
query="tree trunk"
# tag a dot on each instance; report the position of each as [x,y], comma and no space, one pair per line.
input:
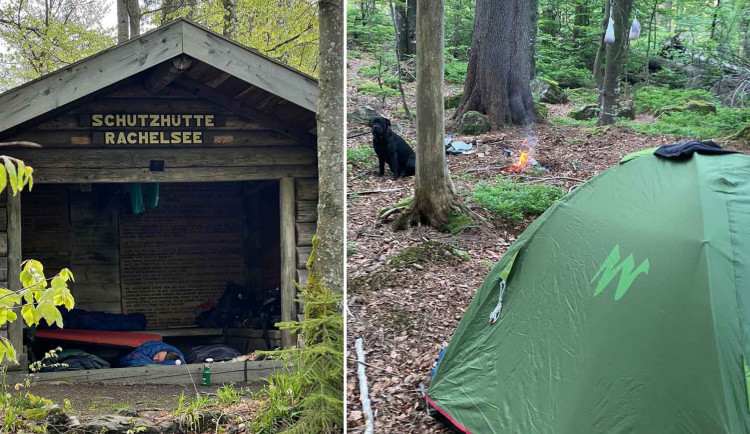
[230,17]
[401,27]
[581,18]
[134,12]
[498,76]
[598,71]
[331,91]
[615,55]
[534,30]
[399,55]
[122,21]
[713,23]
[434,196]
[745,42]
[411,28]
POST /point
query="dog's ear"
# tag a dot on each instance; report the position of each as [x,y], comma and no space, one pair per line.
[388,122]
[369,122]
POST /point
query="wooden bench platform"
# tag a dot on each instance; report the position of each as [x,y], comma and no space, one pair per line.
[222,372]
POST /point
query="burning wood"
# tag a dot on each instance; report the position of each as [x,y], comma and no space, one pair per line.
[524,160]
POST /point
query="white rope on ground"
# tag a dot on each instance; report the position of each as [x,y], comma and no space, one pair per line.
[364,392]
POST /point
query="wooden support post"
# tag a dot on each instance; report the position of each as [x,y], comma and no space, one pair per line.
[288,257]
[15,330]
[167,72]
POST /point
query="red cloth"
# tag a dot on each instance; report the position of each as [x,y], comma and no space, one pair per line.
[122,339]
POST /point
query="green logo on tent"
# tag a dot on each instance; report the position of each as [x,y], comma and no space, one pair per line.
[610,268]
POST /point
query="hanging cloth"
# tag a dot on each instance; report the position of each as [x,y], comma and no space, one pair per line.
[152,194]
[635,30]
[136,198]
[609,35]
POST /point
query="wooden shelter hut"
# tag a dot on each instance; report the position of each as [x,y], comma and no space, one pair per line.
[171,165]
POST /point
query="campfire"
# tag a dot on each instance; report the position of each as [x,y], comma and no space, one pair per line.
[525,159]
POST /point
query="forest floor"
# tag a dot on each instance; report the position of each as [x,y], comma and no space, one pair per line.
[406,304]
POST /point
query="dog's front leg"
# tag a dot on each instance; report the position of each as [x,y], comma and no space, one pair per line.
[382,166]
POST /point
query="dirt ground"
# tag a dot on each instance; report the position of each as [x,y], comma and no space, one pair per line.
[407,312]
[99,398]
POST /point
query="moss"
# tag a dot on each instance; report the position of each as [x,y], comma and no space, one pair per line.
[429,251]
[473,123]
[697,106]
[548,81]
[585,112]
[36,414]
[404,202]
[351,247]
[452,102]
[456,223]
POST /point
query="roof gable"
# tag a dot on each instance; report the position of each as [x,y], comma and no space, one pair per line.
[117,63]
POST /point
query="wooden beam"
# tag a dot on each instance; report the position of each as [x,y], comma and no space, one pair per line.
[124,158]
[15,329]
[247,111]
[226,372]
[89,75]
[180,174]
[167,72]
[251,67]
[288,258]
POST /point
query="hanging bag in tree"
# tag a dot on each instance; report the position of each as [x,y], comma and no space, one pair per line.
[609,36]
[635,30]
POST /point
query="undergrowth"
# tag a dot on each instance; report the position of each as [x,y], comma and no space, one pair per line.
[693,125]
[513,202]
[362,156]
[650,98]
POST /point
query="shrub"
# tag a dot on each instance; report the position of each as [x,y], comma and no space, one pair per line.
[455,72]
[583,96]
[512,202]
[570,76]
[370,88]
[695,125]
[649,98]
[362,156]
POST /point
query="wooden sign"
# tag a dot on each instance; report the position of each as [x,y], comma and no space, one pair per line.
[151,129]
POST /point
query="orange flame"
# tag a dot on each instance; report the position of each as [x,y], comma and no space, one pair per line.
[523,160]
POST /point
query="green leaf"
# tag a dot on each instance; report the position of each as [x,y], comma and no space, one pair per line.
[3,178]
[21,169]
[7,315]
[28,314]
[7,350]
[12,175]
[30,177]
[9,298]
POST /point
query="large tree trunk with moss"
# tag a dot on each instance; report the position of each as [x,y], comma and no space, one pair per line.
[330,230]
[615,55]
[434,196]
[498,77]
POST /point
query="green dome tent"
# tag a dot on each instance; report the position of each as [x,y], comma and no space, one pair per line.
[626,309]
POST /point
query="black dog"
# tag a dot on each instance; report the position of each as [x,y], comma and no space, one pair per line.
[391,148]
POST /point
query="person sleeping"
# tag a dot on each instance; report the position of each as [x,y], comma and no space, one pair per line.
[153,352]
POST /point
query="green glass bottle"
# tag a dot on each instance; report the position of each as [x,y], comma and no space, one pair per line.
[207,372]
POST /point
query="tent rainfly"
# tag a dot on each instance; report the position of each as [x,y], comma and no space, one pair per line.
[626,309]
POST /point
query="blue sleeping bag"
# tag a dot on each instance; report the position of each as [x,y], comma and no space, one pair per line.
[144,355]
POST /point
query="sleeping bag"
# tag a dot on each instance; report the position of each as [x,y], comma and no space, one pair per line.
[76,360]
[217,352]
[144,355]
[92,320]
